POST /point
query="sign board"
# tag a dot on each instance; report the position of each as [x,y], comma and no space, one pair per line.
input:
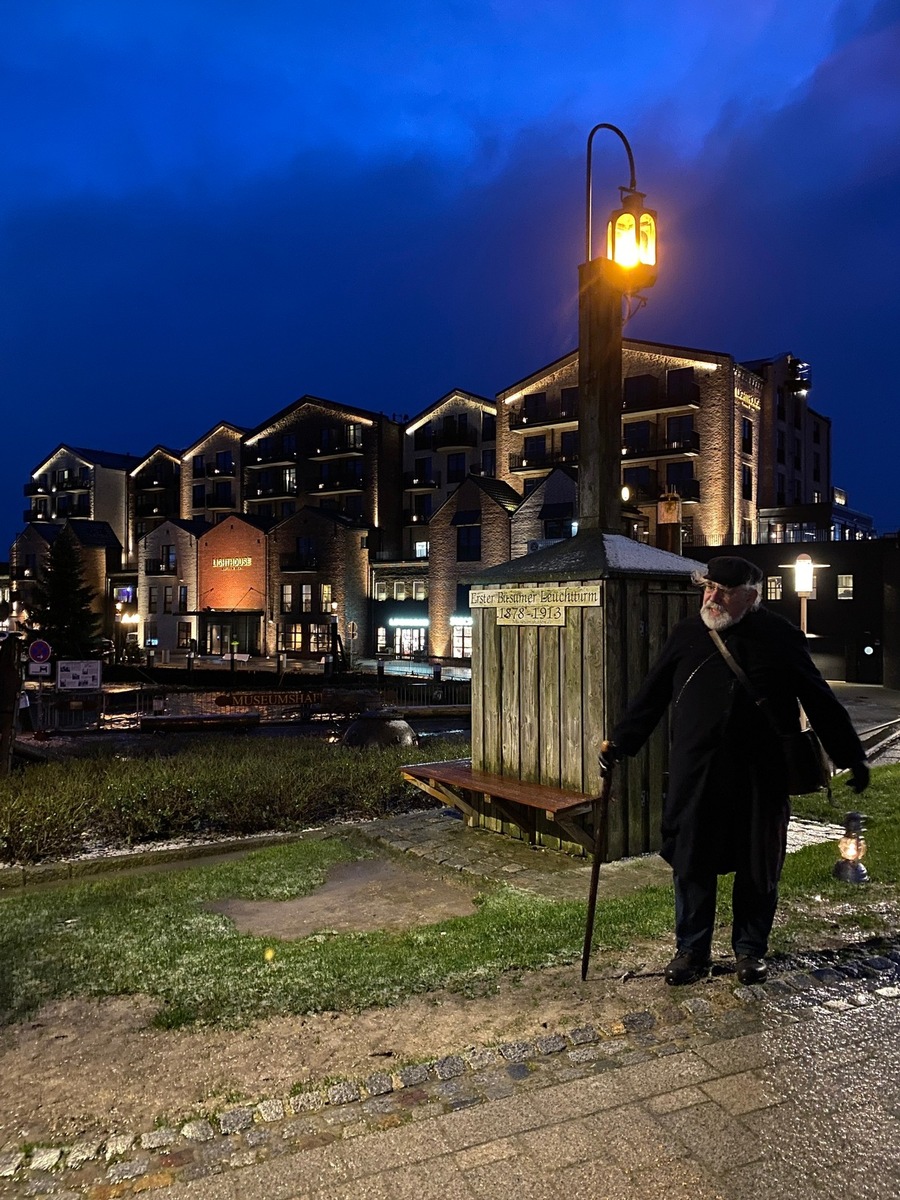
[579,596]
[531,614]
[42,669]
[78,676]
[39,651]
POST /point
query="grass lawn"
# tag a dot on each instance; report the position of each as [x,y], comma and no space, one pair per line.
[149,934]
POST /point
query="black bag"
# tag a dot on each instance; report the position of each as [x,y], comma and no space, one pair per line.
[806,763]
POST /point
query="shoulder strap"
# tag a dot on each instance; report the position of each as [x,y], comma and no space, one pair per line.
[739,671]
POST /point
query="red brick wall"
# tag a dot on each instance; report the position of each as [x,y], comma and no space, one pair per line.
[231,567]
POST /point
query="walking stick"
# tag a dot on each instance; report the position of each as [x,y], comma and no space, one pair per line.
[601,830]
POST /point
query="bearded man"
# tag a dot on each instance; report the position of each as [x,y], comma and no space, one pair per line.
[727,805]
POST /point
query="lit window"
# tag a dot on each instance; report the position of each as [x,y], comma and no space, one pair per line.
[287,597]
[845,587]
[306,597]
[381,590]
[400,590]
[773,587]
[420,590]
[421,549]
[326,596]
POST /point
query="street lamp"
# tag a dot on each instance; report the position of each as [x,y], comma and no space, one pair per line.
[804,582]
[604,283]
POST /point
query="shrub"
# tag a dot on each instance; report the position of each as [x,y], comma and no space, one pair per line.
[219,786]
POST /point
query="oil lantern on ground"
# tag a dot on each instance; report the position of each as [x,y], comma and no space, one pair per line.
[852,847]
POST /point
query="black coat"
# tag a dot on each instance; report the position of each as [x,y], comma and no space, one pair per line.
[727,803]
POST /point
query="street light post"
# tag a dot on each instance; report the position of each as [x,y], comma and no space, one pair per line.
[603,284]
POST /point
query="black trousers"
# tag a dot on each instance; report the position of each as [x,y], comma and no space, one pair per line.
[753,912]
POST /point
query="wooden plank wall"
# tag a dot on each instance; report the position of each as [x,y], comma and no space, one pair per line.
[543,698]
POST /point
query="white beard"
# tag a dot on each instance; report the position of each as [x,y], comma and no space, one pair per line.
[715,618]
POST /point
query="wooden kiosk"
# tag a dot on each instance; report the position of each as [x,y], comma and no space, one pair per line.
[561,639]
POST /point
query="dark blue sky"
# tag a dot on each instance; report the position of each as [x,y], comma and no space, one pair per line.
[211,207]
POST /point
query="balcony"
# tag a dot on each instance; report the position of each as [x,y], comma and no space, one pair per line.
[539,464]
[156,505]
[688,490]
[455,437]
[423,439]
[340,448]
[339,485]
[156,566]
[411,517]
[544,416]
[35,514]
[686,446]
[298,562]
[35,489]
[164,481]
[258,456]
[72,483]
[645,490]
[421,483]
[277,491]
[650,395]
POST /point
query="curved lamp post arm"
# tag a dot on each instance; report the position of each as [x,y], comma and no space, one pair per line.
[632,187]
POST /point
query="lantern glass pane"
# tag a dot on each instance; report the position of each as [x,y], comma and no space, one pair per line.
[625,247]
[803,577]
[648,240]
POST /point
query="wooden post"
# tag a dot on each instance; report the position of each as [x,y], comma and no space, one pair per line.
[9,699]
[599,399]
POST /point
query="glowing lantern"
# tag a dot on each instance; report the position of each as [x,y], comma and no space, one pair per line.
[852,847]
[631,239]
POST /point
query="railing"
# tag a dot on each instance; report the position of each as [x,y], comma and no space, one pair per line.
[155,566]
[414,482]
[214,500]
[298,562]
[455,436]
[688,443]
[342,483]
[537,462]
[411,517]
[546,414]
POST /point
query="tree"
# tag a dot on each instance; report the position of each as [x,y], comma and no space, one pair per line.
[61,601]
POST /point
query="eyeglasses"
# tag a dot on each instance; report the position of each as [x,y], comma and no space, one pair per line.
[710,586]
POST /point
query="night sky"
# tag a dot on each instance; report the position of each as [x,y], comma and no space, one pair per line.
[210,207]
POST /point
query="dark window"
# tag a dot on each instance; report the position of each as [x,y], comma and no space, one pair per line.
[817,468]
[184,635]
[224,461]
[679,472]
[462,598]
[780,410]
[489,463]
[182,597]
[488,427]
[679,431]
[746,482]
[199,465]
[568,444]
[198,495]
[534,448]
[168,598]
[779,446]
[456,468]
[152,599]
[746,435]
[468,543]
[817,433]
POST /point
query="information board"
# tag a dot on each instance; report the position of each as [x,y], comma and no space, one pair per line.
[78,676]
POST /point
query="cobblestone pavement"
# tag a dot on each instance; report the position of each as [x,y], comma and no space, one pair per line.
[717,1092]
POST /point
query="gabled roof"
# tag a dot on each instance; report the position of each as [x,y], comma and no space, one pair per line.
[456,394]
[328,514]
[496,491]
[158,450]
[240,430]
[591,554]
[196,526]
[93,458]
[264,524]
[93,533]
[331,407]
[49,531]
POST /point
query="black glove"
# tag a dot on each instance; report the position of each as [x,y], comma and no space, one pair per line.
[859,777]
[609,755]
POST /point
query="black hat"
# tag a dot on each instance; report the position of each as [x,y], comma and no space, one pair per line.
[731,571]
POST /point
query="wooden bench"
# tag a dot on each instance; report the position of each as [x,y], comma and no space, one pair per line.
[455,782]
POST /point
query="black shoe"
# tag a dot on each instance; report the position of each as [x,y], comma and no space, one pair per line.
[751,970]
[687,968]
